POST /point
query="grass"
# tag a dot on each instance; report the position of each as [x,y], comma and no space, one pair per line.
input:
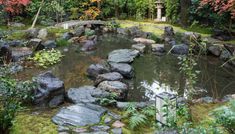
[158,28]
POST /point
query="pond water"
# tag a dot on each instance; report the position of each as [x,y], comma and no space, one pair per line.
[153,74]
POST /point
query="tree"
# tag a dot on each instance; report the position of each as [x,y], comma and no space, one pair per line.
[221,7]
[12,7]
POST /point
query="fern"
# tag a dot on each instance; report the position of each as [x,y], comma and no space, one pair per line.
[136,120]
[149,111]
[131,109]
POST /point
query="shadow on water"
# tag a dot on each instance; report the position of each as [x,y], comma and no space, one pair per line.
[153,74]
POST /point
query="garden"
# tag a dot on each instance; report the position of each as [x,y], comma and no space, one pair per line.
[117,66]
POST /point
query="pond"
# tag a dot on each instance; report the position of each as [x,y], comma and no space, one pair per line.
[153,74]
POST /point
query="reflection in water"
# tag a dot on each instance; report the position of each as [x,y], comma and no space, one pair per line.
[155,88]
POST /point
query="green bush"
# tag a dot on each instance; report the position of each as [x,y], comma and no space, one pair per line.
[46,58]
[62,42]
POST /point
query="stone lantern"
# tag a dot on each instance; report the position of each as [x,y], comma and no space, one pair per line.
[165,101]
[159,7]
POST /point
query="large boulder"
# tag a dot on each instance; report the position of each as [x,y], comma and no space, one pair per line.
[136,32]
[15,43]
[181,49]
[43,33]
[21,53]
[32,33]
[49,44]
[169,31]
[67,36]
[6,52]
[116,87]
[113,76]
[123,56]
[79,115]
[85,94]
[79,31]
[122,31]
[89,45]
[191,37]
[125,69]
[34,43]
[215,50]
[50,91]
[95,69]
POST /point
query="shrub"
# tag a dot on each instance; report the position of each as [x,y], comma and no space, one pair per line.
[47,58]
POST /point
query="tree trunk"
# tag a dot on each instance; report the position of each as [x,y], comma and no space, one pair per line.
[36,16]
[184,12]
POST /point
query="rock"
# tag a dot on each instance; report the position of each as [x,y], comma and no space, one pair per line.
[50,90]
[191,37]
[89,32]
[117,131]
[34,43]
[16,68]
[95,69]
[118,124]
[79,115]
[228,97]
[124,105]
[49,44]
[215,50]
[169,31]
[15,43]
[6,52]
[225,55]
[167,132]
[230,48]
[85,94]
[89,45]
[114,115]
[158,48]
[123,56]
[32,33]
[139,47]
[107,120]
[181,49]
[43,33]
[21,53]
[99,132]
[136,32]
[16,24]
[114,76]
[79,130]
[100,128]
[67,36]
[125,69]
[123,31]
[144,41]
[204,100]
[172,42]
[117,87]
[221,35]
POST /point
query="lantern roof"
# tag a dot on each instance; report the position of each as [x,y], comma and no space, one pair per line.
[166,95]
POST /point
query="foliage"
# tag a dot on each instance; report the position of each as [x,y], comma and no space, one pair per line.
[13,6]
[138,118]
[47,58]
[13,95]
[62,42]
[172,10]
[89,32]
[90,12]
[225,116]
[109,100]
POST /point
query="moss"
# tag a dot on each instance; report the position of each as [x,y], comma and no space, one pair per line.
[33,124]
[17,36]
[56,32]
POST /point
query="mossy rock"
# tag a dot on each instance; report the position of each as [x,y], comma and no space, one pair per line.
[33,124]
[18,35]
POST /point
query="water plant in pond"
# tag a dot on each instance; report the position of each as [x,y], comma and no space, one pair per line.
[46,58]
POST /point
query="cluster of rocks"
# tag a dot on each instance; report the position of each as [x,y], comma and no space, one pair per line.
[209,99]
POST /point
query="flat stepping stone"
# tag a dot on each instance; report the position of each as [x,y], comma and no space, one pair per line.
[140,47]
[114,76]
[79,115]
[144,41]
[85,94]
[123,56]
[125,69]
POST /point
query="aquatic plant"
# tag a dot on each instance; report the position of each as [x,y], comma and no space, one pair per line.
[46,58]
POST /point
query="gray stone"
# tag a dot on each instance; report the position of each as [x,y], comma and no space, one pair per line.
[100,128]
[118,124]
[43,33]
[99,132]
[225,55]
[144,41]
[117,87]
[125,69]
[167,132]
[124,105]
[117,131]
[228,97]
[169,31]
[136,32]
[123,56]
[107,120]
[32,33]
[114,76]
[215,50]
[20,53]
[50,90]
[181,49]
[158,48]
[123,31]
[89,45]
[191,37]
[34,43]
[85,94]
[95,69]
[139,47]
[67,36]
[79,115]
[49,44]
[15,43]
[16,24]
